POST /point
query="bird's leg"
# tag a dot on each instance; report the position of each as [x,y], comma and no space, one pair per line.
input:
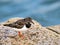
[21,35]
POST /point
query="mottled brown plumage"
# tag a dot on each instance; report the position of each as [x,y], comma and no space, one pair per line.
[20,23]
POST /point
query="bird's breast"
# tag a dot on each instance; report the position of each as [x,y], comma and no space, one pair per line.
[22,29]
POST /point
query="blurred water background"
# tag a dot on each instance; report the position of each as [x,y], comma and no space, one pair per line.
[46,12]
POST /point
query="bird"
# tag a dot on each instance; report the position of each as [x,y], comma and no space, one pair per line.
[21,25]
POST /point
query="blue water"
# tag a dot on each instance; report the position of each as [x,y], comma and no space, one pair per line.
[46,12]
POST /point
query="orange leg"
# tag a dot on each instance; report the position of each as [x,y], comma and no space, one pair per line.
[21,35]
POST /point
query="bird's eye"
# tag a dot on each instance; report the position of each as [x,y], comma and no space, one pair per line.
[28,25]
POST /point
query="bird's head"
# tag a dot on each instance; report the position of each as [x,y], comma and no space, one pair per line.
[28,22]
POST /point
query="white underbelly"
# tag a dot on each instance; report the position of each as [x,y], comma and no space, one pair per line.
[22,29]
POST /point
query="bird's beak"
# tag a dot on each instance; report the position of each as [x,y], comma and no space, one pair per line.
[32,22]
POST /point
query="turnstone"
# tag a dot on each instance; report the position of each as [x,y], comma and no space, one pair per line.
[21,25]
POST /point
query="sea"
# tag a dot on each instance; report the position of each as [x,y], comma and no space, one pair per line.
[46,12]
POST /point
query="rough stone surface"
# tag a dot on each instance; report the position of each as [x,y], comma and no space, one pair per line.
[36,35]
[55,28]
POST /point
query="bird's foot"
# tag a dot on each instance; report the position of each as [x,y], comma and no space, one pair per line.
[21,35]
